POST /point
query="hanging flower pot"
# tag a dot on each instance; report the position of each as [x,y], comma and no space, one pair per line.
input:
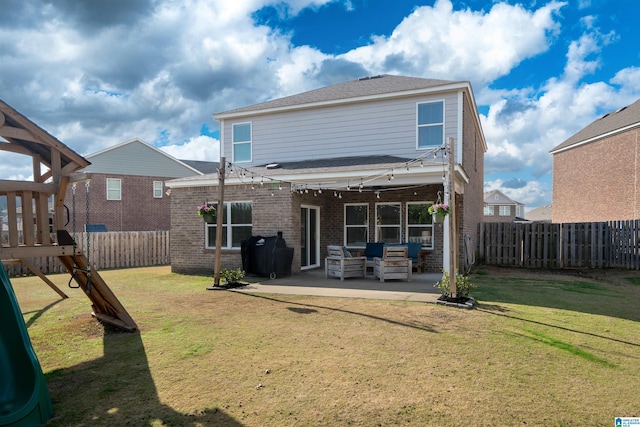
[439,211]
[207,213]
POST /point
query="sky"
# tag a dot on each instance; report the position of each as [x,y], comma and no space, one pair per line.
[96,73]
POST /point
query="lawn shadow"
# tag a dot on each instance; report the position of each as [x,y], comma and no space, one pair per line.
[118,389]
[310,308]
[40,312]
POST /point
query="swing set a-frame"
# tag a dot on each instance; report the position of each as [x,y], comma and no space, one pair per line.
[43,233]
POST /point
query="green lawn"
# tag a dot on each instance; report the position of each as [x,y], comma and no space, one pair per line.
[538,350]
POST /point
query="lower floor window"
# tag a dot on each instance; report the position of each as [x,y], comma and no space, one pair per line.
[237,225]
[388,222]
[420,224]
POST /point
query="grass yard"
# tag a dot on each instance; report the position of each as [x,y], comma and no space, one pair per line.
[540,349]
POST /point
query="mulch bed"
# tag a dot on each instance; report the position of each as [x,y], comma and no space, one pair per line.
[460,302]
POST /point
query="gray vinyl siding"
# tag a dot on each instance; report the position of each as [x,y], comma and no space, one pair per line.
[386,127]
[136,159]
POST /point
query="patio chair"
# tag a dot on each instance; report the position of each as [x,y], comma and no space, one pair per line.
[340,263]
[394,264]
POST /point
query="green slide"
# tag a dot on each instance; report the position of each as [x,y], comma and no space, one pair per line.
[24,397]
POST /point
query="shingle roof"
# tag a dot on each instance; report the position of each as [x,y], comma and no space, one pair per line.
[623,118]
[202,166]
[364,87]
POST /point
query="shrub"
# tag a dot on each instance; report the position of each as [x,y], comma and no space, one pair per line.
[463,285]
[231,276]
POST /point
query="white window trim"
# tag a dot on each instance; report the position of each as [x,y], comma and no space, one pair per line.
[504,209]
[407,226]
[489,210]
[119,180]
[418,126]
[399,225]
[229,229]
[345,226]
[250,142]
[155,194]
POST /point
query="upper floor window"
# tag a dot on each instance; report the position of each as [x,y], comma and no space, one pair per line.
[356,225]
[157,189]
[236,225]
[430,124]
[114,189]
[420,224]
[388,223]
[241,142]
[519,211]
[488,210]
[505,210]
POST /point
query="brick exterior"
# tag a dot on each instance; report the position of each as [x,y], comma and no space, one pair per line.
[598,181]
[473,164]
[496,217]
[279,212]
[137,211]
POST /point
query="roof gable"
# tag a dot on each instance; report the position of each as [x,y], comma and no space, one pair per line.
[136,157]
[497,197]
[622,119]
[360,89]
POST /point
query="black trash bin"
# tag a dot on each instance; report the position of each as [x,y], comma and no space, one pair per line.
[266,256]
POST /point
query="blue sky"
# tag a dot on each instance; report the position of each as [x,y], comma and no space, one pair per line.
[97,73]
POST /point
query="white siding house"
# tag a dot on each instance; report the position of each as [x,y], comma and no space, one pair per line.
[361,158]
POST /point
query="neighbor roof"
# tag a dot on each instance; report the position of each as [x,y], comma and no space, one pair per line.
[353,89]
[620,120]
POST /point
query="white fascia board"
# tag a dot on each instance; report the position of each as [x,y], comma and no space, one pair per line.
[431,90]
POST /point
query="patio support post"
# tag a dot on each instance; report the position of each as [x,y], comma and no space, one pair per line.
[219,216]
[453,239]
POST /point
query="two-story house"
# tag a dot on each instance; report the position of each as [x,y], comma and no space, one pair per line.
[126,188]
[596,171]
[498,207]
[355,162]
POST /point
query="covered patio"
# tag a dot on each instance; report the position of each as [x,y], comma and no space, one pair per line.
[313,282]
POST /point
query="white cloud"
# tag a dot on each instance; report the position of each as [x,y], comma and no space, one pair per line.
[201,147]
[461,44]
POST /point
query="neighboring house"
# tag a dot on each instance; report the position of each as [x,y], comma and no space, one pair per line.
[596,174]
[500,208]
[345,164]
[126,188]
[540,214]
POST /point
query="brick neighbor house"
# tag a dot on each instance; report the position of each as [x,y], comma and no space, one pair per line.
[126,188]
[355,162]
[500,208]
[596,174]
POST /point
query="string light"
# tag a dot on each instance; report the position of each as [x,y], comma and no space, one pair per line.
[243,173]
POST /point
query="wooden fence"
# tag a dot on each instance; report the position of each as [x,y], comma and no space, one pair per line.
[115,249]
[569,245]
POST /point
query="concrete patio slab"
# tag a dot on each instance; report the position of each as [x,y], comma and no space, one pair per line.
[313,282]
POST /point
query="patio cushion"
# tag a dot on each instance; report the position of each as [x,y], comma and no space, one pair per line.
[373,250]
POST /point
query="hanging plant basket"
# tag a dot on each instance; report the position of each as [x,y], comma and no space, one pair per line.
[207,212]
[439,211]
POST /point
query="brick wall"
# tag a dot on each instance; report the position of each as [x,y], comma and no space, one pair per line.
[473,164]
[137,211]
[272,212]
[598,181]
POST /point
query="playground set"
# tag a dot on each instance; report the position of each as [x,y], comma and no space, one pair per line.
[36,221]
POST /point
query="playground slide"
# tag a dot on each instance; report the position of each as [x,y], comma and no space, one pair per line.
[24,397]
